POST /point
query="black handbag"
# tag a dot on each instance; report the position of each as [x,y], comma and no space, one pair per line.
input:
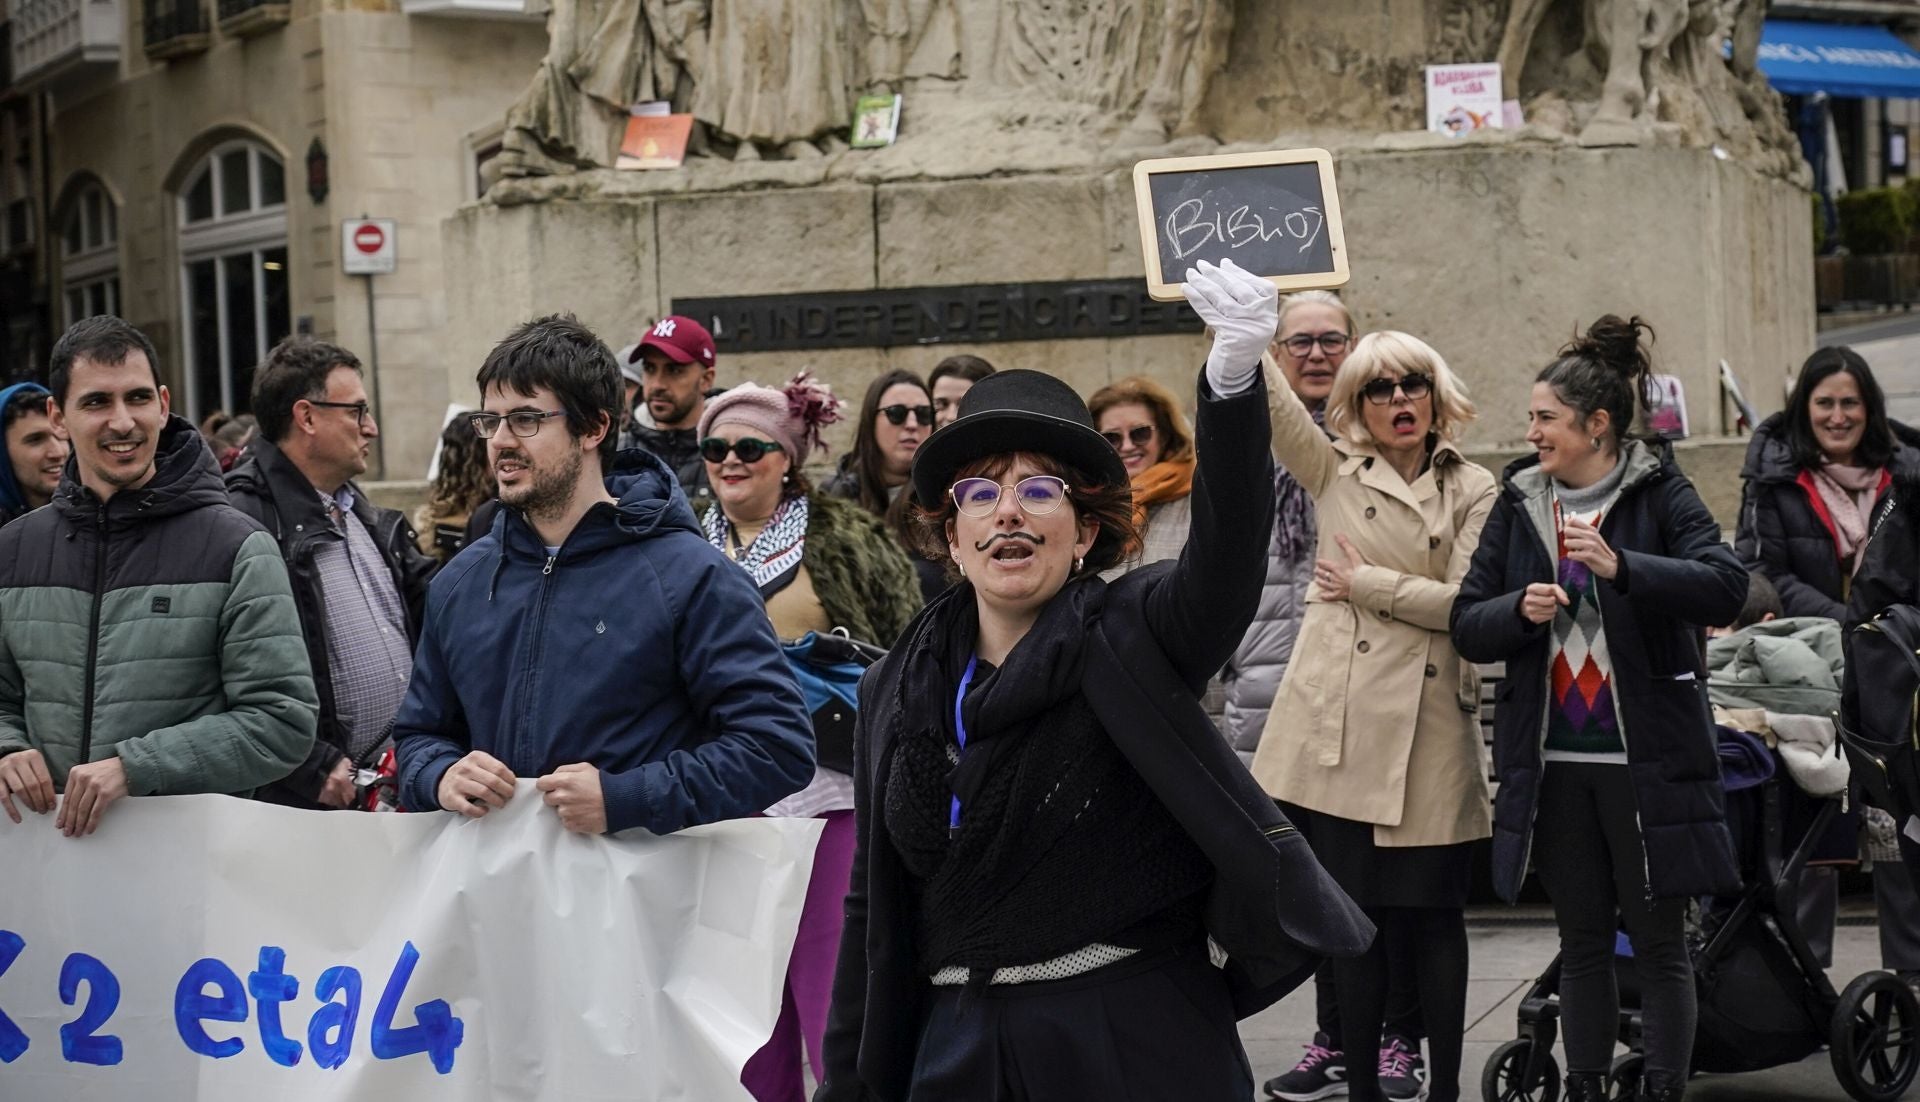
[1880,725]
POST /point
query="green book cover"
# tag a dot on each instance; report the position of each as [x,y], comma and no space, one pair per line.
[876,121]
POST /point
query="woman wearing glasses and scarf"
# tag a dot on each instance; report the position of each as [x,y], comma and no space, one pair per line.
[1141,420]
[820,564]
[1049,832]
[1374,736]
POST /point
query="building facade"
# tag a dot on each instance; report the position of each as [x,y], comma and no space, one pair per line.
[188,164]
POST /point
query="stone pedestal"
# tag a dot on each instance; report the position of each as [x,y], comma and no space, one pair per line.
[1494,251]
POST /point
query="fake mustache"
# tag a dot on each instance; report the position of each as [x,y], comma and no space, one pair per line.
[1037,541]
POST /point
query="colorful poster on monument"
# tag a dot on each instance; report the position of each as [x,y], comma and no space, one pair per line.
[1666,407]
[655,141]
[876,121]
[1463,98]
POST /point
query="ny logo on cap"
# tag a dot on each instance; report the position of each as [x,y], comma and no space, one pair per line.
[664,329]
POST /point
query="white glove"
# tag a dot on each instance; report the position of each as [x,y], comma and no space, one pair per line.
[1243,311]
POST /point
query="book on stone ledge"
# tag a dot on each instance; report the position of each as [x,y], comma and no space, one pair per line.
[655,141]
[876,121]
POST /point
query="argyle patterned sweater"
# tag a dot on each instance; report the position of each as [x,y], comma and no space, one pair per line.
[1582,723]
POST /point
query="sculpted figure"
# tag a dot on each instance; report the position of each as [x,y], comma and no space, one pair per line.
[1148,62]
[777,73]
[602,57]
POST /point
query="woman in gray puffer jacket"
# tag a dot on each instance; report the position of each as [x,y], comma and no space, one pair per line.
[1315,334]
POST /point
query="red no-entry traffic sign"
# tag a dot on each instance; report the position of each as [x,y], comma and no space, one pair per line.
[367,246]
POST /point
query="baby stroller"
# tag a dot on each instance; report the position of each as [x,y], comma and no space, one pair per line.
[1764,999]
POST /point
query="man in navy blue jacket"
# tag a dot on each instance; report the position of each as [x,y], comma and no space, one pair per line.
[593,639]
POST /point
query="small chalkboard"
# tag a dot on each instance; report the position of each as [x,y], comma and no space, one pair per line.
[1275,214]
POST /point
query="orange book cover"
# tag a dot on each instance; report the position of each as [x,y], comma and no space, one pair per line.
[655,141]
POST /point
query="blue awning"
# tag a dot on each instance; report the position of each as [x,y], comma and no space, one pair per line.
[1840,59]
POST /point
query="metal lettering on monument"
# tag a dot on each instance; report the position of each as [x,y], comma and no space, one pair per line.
[972,314]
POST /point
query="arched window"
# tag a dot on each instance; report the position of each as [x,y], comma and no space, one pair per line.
[90,255]
[233,256]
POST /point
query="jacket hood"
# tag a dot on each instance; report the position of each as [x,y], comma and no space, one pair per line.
[186,477]
[1645,462]
[1770,457]
[13,500]
[649,503]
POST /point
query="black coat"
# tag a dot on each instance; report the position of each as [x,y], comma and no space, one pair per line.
[1160,632]
[266,486]
[1675,577]
[1780,533]
[1890,572]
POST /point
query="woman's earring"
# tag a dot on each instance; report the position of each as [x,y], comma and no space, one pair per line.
[961,566]
[1596,443]
[785,479]
[1079,564]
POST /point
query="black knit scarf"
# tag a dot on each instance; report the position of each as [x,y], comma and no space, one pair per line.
[1060,843]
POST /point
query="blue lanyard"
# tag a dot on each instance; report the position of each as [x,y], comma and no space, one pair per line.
[960,728]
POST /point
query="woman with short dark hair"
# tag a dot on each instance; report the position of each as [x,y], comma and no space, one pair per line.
[1049,832]
[950,381]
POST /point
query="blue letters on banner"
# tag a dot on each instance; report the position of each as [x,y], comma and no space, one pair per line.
[271,986]
[77,1039]
[438,1033]
[191,1006]
[13,1043]
[338,1016]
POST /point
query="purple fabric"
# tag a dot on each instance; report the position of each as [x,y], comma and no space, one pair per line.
[774,1073]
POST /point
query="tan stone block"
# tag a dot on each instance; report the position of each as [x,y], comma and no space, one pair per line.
[769,242]
[989,231]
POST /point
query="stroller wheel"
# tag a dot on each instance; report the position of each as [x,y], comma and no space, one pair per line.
[1507,1077]
[1623,1079]
[1876,1037]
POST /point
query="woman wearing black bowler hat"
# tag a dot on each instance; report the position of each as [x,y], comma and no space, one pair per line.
[1048,832]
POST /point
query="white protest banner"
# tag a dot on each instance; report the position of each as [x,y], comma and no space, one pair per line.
[205,949]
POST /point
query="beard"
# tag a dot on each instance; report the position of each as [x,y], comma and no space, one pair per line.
[549,490]
[681,409]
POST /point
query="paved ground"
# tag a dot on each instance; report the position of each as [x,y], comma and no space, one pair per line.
[1506,957]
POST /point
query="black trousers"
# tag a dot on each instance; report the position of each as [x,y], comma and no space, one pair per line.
[1156,1026]
[1592,862]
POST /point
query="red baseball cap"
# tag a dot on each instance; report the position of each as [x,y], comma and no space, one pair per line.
[680,338]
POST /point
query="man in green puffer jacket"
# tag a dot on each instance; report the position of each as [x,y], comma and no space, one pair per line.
[149,643]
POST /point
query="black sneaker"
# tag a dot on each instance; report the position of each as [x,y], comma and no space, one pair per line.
[1403,1075]
[1319,1074]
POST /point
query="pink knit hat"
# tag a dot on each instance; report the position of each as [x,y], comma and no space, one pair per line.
[791,417]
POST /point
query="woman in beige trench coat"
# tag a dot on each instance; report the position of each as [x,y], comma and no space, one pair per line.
[1373,742]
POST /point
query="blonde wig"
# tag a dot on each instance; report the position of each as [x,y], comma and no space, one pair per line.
[1391,354]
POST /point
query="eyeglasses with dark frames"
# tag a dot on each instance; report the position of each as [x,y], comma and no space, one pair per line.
[1038,495]
[360,409]
[1300,345]
[521,422]
[1414,385]
[714,450]
[1138,436]
[897,414]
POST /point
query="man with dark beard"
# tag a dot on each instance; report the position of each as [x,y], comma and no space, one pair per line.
[593,639]
[676,364]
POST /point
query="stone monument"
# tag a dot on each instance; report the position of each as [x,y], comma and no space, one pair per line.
[1653,175]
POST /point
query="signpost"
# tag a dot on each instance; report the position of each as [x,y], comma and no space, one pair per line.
[369,247]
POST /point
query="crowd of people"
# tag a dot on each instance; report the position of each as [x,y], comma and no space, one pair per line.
[1118,697]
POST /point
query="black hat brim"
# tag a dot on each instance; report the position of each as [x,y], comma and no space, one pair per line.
[1002,431]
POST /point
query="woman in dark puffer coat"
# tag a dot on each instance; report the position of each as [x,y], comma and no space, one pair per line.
[1814,474]
[1596,572]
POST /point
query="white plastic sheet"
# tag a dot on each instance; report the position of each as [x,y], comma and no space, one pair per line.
[627,967]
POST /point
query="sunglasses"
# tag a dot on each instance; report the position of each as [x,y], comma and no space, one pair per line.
[1301,345]
[898,414]
[1038,495]
[714,450]
[521,422]
[1138,436]
[1415,386]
